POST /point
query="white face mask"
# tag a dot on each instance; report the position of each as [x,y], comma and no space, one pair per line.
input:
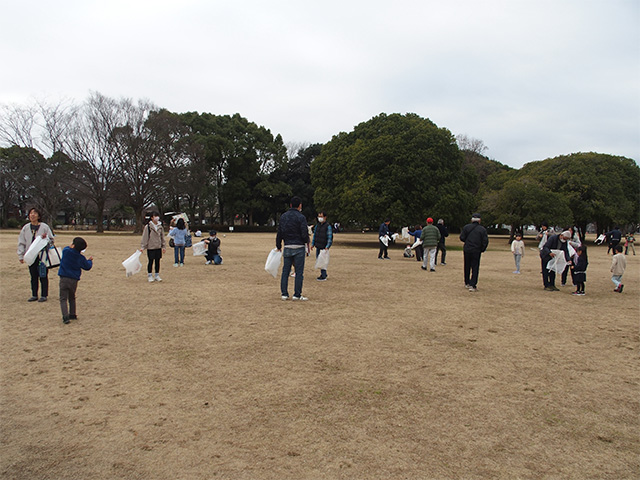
[321,219]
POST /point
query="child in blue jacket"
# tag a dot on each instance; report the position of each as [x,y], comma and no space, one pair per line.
[71,265]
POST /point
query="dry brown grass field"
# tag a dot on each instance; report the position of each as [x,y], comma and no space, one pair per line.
[387,372]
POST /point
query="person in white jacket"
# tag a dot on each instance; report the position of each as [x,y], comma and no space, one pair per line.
[27,235]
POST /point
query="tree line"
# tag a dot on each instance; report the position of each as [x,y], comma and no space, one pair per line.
[112,158]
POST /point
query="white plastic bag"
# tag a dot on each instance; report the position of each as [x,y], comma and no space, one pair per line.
[385,240]
[273,262]
[132,264]
[557,263]
[405,233]
[322,262]
[417,243]
[600,239]
[199,248]
[34,249]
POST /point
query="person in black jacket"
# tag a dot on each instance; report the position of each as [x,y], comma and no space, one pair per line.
[613,238]
[322,240]
[444,232]
[475,240]
[555,242]
[383,231]
[293,231]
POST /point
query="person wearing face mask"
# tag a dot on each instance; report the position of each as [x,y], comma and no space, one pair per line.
[322,240]
[153,240]
[555,242]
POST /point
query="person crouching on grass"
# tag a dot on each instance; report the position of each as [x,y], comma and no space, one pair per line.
[71,265]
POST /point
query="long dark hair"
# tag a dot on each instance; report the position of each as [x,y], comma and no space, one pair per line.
[180,224]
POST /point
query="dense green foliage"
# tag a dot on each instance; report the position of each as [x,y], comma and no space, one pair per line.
[398,166]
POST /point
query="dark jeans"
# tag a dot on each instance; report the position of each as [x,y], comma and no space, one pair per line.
[419,253]
[565,273]
[35,278]
[323,273]
[471,268]
[383,250]
[548,276]
[178,253]
[68,287]
[443,249]
[295,257]
[213,257]
[154,257]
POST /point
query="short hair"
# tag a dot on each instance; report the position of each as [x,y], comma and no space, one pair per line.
[79,244]
[295,202]
[323,213]
[618,248]
[387,220]
[37,210]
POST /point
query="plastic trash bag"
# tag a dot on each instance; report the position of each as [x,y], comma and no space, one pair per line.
[34,249]
[600,239]
[273,262]
[132,264]
[557,263]
[405,233]
[199,248]
[385,240]
[417,243]
[395,236]
[322,262]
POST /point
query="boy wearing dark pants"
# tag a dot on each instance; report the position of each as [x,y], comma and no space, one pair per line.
[71,265]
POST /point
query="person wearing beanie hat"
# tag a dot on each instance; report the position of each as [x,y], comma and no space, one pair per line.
[444,232]
[430,238]
[475,239]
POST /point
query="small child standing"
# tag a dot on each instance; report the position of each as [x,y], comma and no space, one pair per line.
[628,242]
[71,265]
[618,264]
[517,248]
[579,269]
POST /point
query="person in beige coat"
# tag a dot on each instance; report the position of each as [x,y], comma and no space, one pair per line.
[153,240]
[618,265]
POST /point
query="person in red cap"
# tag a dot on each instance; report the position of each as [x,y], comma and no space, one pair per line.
[430,238]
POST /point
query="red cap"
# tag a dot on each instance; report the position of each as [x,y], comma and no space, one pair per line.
[429,220]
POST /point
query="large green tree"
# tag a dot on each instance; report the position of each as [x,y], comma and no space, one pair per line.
[401,166]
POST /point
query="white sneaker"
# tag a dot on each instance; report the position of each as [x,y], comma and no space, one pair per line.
[182,264]
[150,279]
[285,297]
[158,279]
[175,264]
[208,262]
[301,298]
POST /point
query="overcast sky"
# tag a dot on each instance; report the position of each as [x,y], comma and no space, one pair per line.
[532,79]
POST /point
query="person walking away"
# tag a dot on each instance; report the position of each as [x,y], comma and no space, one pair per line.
[517,248]
[579,270]
[71,265]
[28,234]
[430,238]
[613,238]
[444,232]
[618,266]
[475,239]
[179,234]
[292,230]
[555,242]
[383,231]
[416,232]
[153,240]
[322,240]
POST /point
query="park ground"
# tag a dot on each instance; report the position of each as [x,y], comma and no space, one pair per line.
[387,372]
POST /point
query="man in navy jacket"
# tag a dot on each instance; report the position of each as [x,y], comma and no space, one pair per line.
[293,231]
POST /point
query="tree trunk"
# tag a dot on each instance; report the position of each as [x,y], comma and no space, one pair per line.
[100,215]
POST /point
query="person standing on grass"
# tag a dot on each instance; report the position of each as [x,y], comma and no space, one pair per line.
[383,231]
[517,248]
[179,234]
[618,266]
[628,243]
[430,238]
[579,270]
[555,242]
[71,265]
[293,231]
[27,235]
[416,232]
[153,240]
[613,237]
[322,239]
[444,232]
[475,239]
